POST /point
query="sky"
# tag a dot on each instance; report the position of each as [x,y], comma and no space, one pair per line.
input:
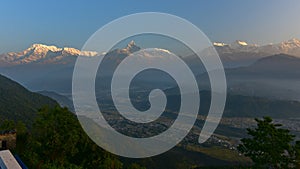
[71,23]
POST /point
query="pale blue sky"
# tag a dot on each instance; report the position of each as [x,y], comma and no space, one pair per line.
[70,23]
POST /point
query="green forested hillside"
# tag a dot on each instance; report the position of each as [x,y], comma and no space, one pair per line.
[18,103]
[53,137]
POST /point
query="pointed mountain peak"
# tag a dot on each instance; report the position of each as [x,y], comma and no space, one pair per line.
[131,43]
[132,47]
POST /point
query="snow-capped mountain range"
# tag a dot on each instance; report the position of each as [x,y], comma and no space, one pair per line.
[291,47]
[39,53]
[261,67]
[238,53]
[241,53]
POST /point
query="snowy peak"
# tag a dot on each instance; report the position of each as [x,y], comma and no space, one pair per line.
[131,44]
[50,54]
[40,53]
[291,47]
[292,43]
[236,52]
[44,48]
[219,44]
[71,51]
[242,53]
[132,47]
[235,45]
[40,48]
[240,43]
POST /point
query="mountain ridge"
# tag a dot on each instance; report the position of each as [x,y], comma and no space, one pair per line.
[242,53]
[18,103]
[273,65]
[40,53]
[238,53]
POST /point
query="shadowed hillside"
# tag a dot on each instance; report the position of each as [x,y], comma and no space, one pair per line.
[18,103]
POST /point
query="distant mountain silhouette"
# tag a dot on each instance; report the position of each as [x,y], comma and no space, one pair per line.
[62,100]
[276,76]
[280,66]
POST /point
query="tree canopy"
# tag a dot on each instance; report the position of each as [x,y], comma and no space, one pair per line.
[269,145]
[56,140]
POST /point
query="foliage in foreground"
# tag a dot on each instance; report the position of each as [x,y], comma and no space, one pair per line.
[57,141]
[270,146]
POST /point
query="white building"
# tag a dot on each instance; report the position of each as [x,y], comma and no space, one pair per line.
[8,161]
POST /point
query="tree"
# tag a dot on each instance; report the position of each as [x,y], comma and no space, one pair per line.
[56,134]
[58,141]
[269,145]
[7,125]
